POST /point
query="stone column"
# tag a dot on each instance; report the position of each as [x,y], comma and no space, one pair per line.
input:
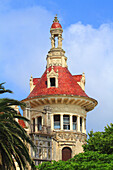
[42,120]
[36,129]
[52,122]
[71,123]
[25,113]
[82,125]
[78,123]
[52,41]
[61,121]
[60,40]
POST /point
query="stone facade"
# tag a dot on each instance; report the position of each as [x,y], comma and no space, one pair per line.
[57,107]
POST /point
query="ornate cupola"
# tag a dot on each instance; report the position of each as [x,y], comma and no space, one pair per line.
[56,55]
[57,106]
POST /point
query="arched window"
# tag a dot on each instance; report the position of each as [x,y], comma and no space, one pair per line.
[66,153]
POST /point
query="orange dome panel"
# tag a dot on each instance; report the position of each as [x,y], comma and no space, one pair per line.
[56,25]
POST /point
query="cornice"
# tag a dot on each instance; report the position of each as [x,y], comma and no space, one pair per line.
[86,103]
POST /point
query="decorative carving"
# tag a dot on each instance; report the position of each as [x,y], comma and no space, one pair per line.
[67,136]
[70,136]
[60,40]
[60,135]
[56,19]
[52,73]
[82,82]
[52,41]
[31,83]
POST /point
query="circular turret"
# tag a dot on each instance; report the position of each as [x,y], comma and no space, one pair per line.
[59,131]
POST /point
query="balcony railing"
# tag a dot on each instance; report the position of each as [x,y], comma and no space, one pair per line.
[40,129]
[35,127]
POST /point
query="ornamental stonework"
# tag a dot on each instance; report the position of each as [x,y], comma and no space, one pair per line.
[67,136]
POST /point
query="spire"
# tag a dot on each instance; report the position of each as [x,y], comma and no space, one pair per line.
[55,19]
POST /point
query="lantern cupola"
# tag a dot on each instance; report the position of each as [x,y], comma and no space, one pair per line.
[56,55]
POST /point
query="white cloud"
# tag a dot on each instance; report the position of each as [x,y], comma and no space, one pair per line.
[90,50]
[24,35]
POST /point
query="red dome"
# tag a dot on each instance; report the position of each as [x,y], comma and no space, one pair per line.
[56,25]
[67,84]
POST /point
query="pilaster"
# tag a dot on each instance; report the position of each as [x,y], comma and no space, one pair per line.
[78,123]
[61,116]
[36,129]
[82,125]
[71,123]
[52,126]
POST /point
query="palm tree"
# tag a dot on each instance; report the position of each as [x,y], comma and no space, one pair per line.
[13,138]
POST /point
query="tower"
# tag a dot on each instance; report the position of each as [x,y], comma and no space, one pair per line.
[57,106]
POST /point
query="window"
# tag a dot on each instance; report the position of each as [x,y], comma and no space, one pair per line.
[74,123]
[39,123]
[66,122]
[52,82]
[80,124]
[33,125]
[56,121]
[56,41]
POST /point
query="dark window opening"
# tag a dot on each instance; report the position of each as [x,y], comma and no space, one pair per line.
[33,125]
[39,123]
[74,123]
[56,121]
[80,124]
[66,122]
[56,41]
[52,82]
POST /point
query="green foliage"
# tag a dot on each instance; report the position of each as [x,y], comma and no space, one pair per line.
[82,161]
[101,141]
[13,137]
[98,154]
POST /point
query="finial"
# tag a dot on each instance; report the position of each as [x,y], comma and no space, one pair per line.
[56,19]
[83,74]
[31,78]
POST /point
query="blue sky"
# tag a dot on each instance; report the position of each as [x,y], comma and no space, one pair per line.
[88,42]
